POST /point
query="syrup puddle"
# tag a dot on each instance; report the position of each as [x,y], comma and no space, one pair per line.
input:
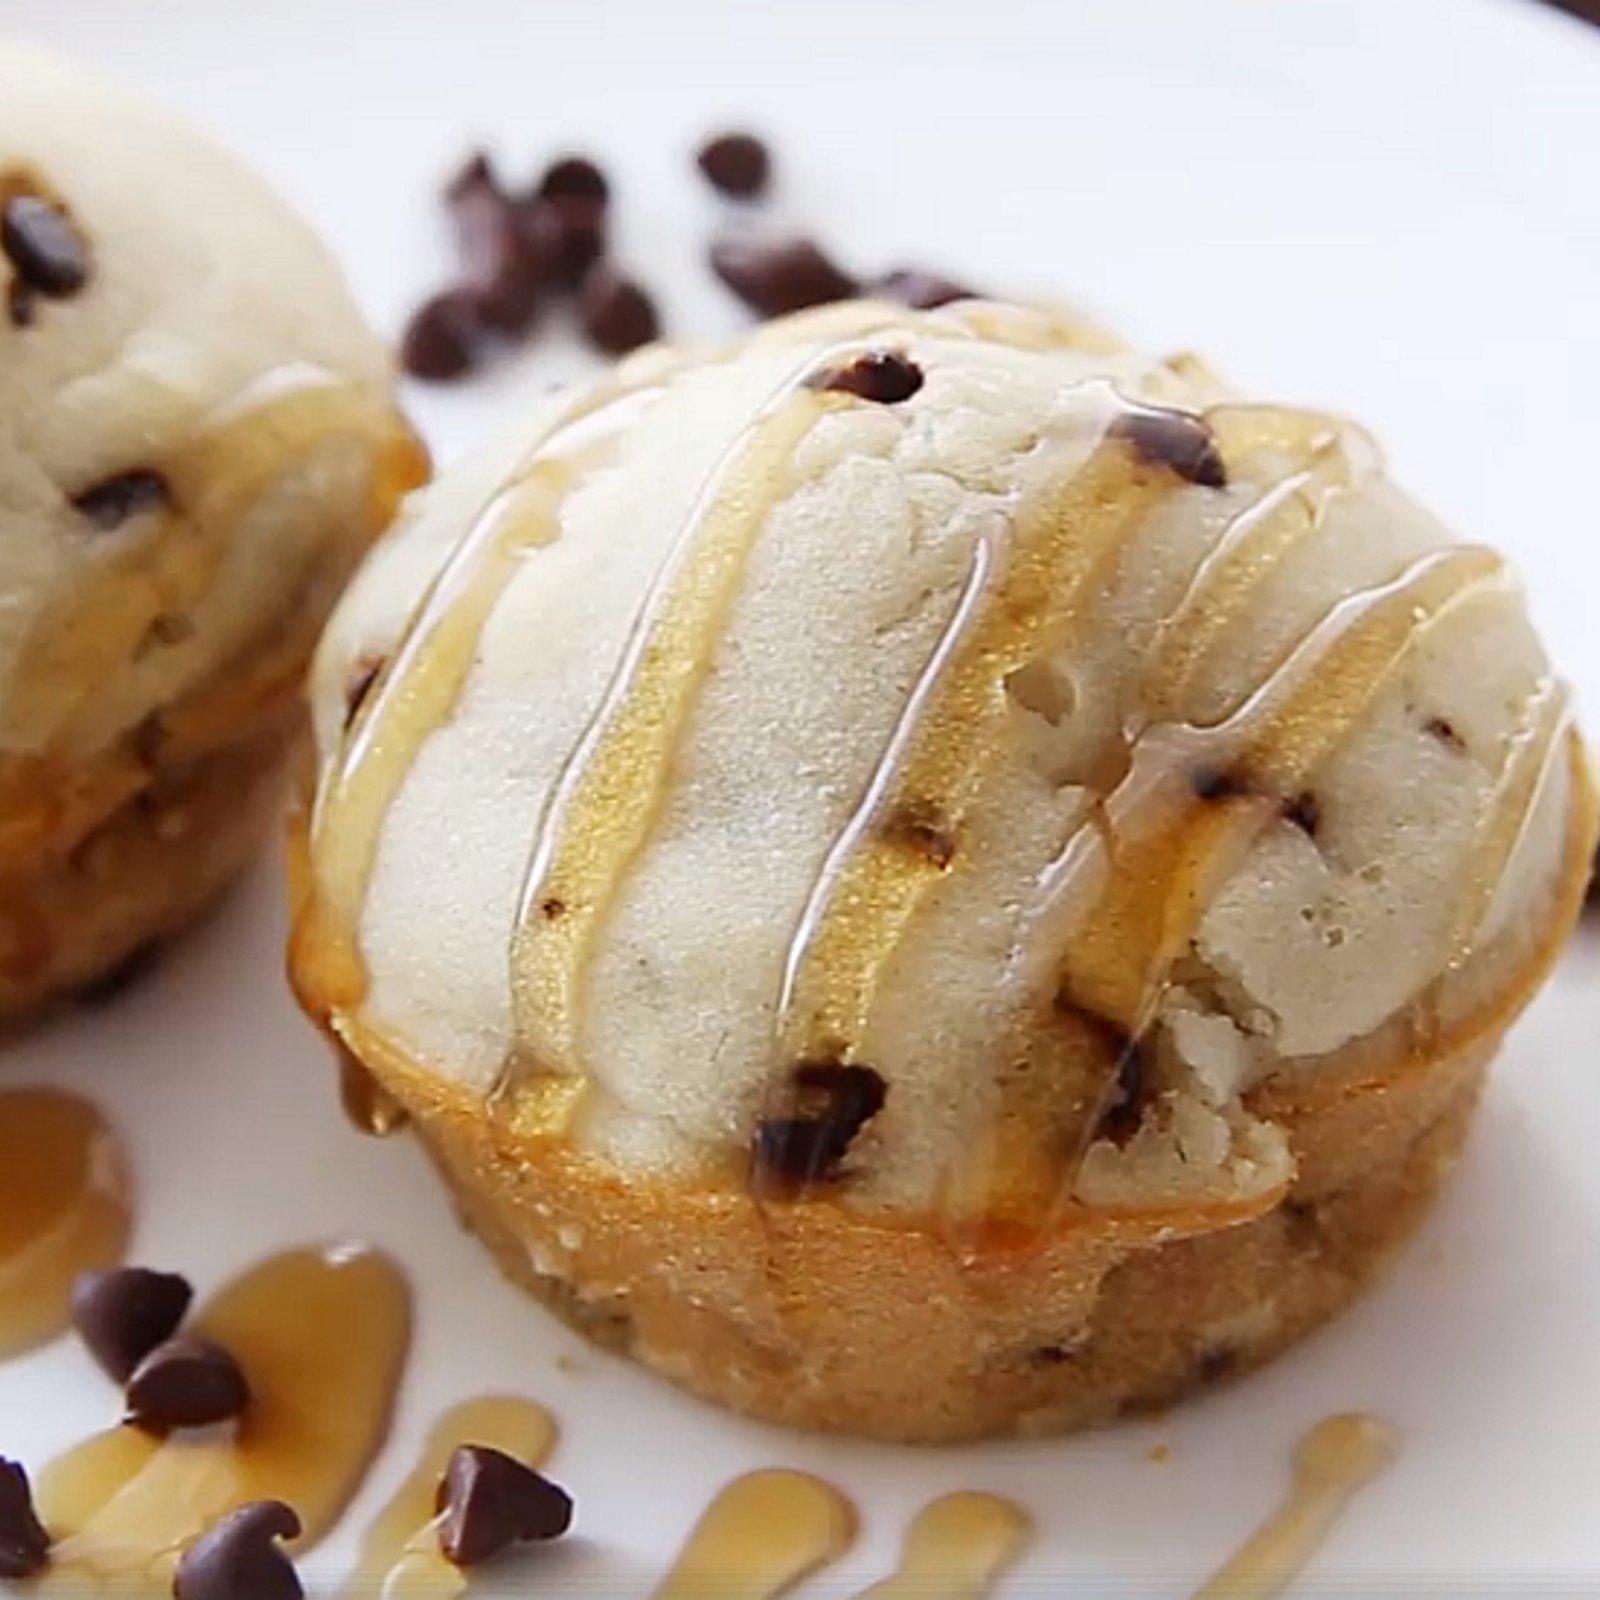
[322,1336]
[65,1208]
[957,1548]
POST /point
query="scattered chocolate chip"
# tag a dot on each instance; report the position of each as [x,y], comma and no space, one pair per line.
[501,274]
[618,316]
[138,492]
[1214,783]
[1445,733]
[780,276]
[1130,1091]
[924,829]
[185,1383]
[884,376]
[438,342]
[564,236]
[44,247]
[553,909]
[490,1501]
[834,1101]
[123,1314]
[736,164]
[239,1558]
[922,291]
[1305,812]
[1216,1364]
[24,1545]
[1177,440]
[123,975]
[573,177]
[364,673]
[1303,1221]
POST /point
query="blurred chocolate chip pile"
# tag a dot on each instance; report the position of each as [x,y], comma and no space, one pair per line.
[521,253]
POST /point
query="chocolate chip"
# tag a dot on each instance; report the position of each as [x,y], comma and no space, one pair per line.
[1051,1355]
[363,674]
[573,177]
[1305,812]
[44,247]
[501,273]
[922,291]
[1174,439]
[239,1558]
[1130,1091]
[24,1545]
[780,276]
[1445,733]
[564,235]
[834,1101]
[884,376]
[185,1383]
[553,909]
[490,1501]
[1215,783]
[138,492]
[924,829]
[122,1315]
[736,164]
[477,171]
[438,343]
[618,316]
[1216,1364]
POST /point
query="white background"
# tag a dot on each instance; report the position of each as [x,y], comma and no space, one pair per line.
[1386,206]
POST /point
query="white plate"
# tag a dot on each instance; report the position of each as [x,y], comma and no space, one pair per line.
[1390,206]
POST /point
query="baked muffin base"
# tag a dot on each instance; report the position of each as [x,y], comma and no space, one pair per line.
[808,1314]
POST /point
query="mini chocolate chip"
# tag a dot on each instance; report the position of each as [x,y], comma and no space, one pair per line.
[364,673]
[490,1501]
[1305,812]
[185,1383]
[564,235]
[502,274]
[553,908]
[573,177]
[475,172]
[1174,439]
[24,1545]
[884,376]
[779,276]
[736,164]
[438,344]
[834,1101]
[1217,1364]
[1120,1120]
[1213,783]
[1051,1355]
[239,1558]
[924,829]
[138,492]
[618,316]
[44,246]
[122,1315]
[1445,733]
[922,291]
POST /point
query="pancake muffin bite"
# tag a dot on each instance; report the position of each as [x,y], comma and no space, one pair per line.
[197,441]
[924,874]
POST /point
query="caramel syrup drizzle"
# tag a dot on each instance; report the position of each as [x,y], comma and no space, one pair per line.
[65,1208]
[761,1535]
[400,1553]
[956,1548]
[1334,1461]
[322,1337]
[1059,544]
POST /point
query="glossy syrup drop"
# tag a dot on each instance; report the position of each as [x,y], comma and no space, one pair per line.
[957,1548]
[760,1536]
[65,1208]
[1338,1457]
[321,1335]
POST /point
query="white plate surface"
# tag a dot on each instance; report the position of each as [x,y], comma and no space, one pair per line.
[1388,206]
